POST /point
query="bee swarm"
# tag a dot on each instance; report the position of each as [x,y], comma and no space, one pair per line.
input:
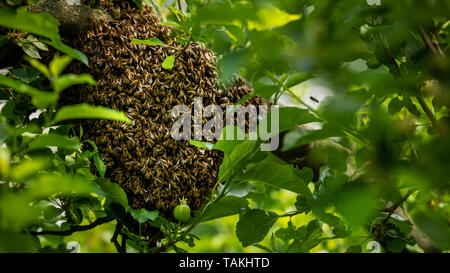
[154,170]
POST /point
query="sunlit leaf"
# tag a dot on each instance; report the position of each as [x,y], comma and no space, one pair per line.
[54,140]
[227,206]
[67,80]
[58,64]
[114,191]
[169,62]
[30,22]
[86,111]
[40,99]
[152,41]
[253,226]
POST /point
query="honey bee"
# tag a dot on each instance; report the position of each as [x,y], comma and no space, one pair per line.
[314,99]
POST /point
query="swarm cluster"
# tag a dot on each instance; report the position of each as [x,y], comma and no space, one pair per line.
[155,170]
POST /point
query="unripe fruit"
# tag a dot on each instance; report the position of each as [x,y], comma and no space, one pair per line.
[182,212]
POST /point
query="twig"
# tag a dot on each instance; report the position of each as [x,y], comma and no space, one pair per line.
[419,97]
[432,46]
[115,236]
[390,211]
[123,249]
[429,114]
[73,18]
[73,229]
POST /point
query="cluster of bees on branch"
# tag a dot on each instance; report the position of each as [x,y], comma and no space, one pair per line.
[155,170]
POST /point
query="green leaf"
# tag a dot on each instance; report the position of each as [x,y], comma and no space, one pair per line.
[298,78]
[4,133]
[143,215]
[434,225]
[226,206]
[306,174]
[237,159]
[227,146]
[412,108]
[357,204]
[28,168]
[395,105]
[113,191]
[152,41]
[403,224]
[26,74]
[58,64]
[265,90]
[52,212]
[302,204]
[54,140]
[169,62]
[36,43]
[86,111]
[100,165]
[354,249]
[395,245]
[40,99]
[254,225]
[292,116]
[67,80]
[306,238]
[138,3]
[169,23]
[338,227]
[48,184]
[282,176]
[287,233]
[200,144]
[41,24]
[289,117]
[41,67]
[30,49]
[67,50]
[302,136]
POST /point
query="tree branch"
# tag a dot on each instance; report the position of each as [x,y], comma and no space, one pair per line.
[73,229]
[73,18]
[115,235]
[419,97]
[431,44]
[390,211]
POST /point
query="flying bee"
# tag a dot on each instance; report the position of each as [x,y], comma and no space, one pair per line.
[314,99]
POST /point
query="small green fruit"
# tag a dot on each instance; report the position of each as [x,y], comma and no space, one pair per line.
[182,212]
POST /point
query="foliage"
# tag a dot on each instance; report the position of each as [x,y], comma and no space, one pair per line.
[383,134]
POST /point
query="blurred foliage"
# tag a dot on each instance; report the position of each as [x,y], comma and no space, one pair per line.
[382,135]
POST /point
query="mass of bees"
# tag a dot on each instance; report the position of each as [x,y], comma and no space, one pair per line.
[154,170]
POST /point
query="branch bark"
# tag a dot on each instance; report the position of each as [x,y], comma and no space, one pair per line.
[73,18]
